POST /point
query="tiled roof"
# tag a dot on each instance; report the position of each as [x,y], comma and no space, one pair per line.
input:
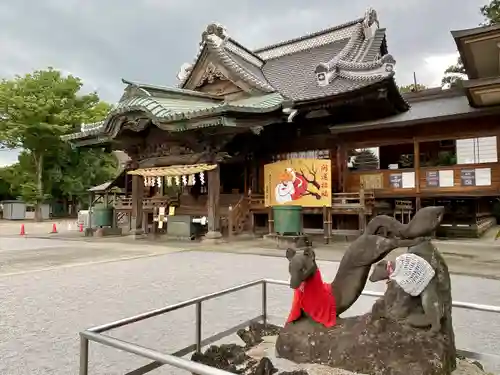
[308,41]
[434,108]
[163,110]
[349,54]
[334,61]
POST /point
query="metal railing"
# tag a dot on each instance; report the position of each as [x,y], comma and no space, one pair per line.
[159,359]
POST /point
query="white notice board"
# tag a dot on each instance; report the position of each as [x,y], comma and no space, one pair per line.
[446,178]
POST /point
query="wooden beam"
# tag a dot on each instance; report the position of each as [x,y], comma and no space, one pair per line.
[213,178]
[416,164]
[137,196]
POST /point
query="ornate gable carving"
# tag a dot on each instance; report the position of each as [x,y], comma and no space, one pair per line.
[211,75]
[220,87]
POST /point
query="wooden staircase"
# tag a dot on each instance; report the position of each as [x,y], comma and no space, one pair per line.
[238,216]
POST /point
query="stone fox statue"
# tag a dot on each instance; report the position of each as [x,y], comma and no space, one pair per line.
[431,303]
[365,251]
[312,297]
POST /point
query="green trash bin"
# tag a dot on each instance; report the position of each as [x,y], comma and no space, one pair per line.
[287,219]
[102,216]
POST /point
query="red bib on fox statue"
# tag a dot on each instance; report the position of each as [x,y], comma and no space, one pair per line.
[315,298]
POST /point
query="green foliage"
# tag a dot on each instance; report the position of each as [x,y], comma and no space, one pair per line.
[38,108]
[35,110]
[411,88]
[365,160]
[491,12]
[9,185]
[71,172]
[454,74]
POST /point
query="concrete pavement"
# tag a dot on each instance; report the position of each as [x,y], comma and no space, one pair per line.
[24,255]
[51,288]
[42,312]
[479,258]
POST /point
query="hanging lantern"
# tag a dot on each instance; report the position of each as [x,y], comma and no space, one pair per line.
[177,180]
[159,181]
[169,180]
[202,178]
[191,180]
[184,180]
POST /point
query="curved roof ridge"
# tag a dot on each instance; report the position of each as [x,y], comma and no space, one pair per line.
[246,51]
[172,90]
[215,44]
[307,36]
[367,65]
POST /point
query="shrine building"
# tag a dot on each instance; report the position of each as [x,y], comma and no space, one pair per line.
[316,121]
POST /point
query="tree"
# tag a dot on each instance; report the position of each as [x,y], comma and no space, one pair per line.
[35,110]
[454,74]
[365,159]
[411,88]
[491,12]
[9,182]
[74,171]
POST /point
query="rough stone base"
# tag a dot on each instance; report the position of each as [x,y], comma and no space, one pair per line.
[366,345]
[258,357]
[298,242]
[103,232]
[213,237]
[137,234]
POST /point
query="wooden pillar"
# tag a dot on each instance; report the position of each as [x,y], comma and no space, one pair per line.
[362,211]
[270,220]
[342,169]
[416,167]
[416,164]
[213,177]
[327,224]
[137,197]
[245,179]
[340,165]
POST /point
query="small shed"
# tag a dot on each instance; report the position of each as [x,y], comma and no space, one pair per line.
[14,210]
[30,211]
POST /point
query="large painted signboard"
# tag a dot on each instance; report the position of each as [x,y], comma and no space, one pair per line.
[298,182]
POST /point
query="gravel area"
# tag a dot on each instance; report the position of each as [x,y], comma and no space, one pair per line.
[42,312]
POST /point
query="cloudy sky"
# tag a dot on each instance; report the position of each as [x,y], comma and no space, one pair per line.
[102,41]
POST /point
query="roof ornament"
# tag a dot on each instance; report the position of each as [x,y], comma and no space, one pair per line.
[184,71]
[370,23]
[211,74]
[322,74]
[215,29]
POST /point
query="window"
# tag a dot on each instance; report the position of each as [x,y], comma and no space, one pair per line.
[395,156]
[477,150]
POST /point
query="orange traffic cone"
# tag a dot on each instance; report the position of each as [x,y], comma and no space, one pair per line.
[22,233]
[81,228]
[54,228]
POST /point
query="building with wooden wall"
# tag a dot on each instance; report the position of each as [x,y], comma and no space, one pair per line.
[330,95]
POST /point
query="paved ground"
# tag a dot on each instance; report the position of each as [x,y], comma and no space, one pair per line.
[52,288]
[479,258]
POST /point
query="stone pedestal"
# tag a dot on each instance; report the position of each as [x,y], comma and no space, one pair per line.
[103,232]
[137,233]
[213,237]
[367,345]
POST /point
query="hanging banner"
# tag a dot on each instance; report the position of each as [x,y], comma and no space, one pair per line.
[298,182]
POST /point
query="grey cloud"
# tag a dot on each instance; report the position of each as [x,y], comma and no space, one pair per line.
[148,40]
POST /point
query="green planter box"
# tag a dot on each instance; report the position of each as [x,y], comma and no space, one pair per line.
[102,216]
[287,219]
